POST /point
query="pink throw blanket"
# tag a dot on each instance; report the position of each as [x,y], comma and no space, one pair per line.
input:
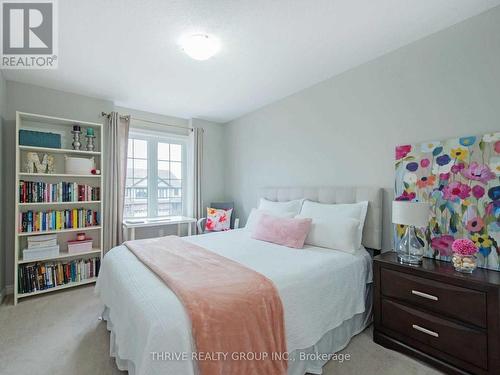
[233,309]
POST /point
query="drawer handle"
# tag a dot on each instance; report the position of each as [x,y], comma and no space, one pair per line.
[424,295]
[425,330]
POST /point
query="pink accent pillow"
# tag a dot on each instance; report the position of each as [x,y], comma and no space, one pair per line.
[282,231]
[218,220]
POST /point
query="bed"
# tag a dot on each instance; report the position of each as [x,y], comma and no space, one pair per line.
[326,294]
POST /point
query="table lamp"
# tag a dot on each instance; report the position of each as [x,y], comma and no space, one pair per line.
[413,215]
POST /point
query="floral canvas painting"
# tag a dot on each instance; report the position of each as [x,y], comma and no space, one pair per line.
[461,179]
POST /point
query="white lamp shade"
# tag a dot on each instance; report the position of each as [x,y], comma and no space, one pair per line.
[410,213]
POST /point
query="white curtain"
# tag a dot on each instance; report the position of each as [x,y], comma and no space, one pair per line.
[115,170]
[196,151]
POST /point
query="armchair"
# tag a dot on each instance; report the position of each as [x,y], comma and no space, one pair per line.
[235,222]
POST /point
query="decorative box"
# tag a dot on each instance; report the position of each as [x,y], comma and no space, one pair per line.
[75,165]
[41,252]
[75,247]
[39,139]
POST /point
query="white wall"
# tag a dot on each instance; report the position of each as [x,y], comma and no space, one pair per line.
[35,99]
[343,131]
[2,181]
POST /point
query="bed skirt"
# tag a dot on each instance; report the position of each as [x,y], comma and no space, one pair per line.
[332,342]
[309,360]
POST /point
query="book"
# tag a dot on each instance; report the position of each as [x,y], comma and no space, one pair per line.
[45,275]
[43,192]
[42,241]
[42,244]
[40,221]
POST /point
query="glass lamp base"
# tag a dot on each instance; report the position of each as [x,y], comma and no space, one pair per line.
[409,259]
[410,250]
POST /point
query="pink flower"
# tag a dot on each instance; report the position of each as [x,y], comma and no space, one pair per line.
[406,196]
[464,246]
[444,176]
[209,225]
[475,224]
[456,190]
[457,168]
[443,244]
[478,191]
[424,163]
[478,172]
[497,147]
[402,151]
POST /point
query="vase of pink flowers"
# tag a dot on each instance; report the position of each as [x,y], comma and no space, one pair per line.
[464,255]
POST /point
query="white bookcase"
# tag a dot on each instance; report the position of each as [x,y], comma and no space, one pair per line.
[41,123]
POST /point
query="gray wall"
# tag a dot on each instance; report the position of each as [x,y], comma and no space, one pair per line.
[35,99]
[214,157]
[213,150]
[2,181]
[343,130]
[40,100]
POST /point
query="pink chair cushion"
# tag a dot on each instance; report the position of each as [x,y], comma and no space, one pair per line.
[282,231]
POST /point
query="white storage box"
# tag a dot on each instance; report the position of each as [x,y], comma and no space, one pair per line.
[74,165]
[75,247]
[41,253]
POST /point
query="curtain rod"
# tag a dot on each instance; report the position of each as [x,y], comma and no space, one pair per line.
[149,121]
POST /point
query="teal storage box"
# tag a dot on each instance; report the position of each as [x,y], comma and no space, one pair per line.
[39,139]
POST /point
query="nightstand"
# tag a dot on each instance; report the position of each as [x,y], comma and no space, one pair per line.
[445,318]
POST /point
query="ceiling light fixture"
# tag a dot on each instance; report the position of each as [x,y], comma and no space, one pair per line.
[200,46]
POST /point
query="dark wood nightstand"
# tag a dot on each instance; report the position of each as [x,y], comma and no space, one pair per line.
[445,318]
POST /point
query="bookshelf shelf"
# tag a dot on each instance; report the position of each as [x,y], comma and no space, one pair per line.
[22,174]
[62,255]
[59,150]
[63,127]
[22,234]
[56,288]
[57,203]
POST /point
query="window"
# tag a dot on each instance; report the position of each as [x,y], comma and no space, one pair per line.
[169,185]
[136,187]
[155,185]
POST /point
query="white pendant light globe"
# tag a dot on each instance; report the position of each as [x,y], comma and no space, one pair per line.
[200,46]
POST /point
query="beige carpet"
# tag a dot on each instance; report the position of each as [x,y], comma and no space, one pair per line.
[60,334]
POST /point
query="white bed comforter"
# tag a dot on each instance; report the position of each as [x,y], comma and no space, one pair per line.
[319,289]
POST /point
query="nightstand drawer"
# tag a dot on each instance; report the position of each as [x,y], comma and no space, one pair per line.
[467,344]
[464,304]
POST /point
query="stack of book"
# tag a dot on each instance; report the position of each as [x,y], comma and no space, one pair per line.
[39,221]
[45,275]
[40,247]
[43,192]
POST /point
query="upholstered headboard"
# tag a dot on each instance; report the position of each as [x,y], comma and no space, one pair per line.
[372,232]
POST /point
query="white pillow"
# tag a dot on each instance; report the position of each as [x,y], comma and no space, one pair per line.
[277,208]
[335,226]
[255,215]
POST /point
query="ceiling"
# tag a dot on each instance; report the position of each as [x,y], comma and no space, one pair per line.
[127,51]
